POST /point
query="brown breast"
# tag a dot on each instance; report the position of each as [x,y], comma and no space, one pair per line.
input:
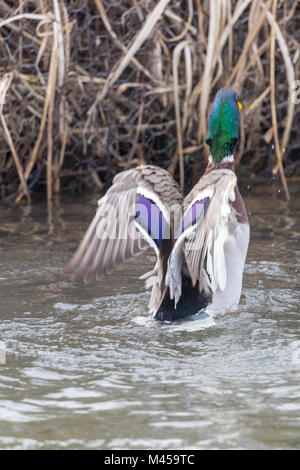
[240,208]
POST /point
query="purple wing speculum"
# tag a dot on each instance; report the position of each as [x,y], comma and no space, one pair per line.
[151,219]
[193,214]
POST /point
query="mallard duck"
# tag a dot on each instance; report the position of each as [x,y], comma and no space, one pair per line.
[200,241]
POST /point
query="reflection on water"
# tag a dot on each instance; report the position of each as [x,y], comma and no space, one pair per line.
[86,367]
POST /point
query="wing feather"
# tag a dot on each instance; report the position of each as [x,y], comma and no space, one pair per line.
[201,243]
[113,236]
[207,247]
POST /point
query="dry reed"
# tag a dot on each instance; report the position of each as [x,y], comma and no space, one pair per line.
[90,88]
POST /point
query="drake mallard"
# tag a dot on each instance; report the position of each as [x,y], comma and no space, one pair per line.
[200,241]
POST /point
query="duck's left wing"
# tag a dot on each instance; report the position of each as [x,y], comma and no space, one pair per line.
[199,247]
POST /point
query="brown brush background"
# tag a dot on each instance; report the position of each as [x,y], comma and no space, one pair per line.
[87,90]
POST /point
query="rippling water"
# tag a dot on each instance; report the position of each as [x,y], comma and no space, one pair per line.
[87,368]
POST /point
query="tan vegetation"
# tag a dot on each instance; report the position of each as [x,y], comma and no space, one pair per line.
[88,88]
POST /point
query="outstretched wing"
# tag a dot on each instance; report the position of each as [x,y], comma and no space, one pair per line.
[132,215]
[202,234]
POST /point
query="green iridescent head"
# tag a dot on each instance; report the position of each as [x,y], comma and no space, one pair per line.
[223,124]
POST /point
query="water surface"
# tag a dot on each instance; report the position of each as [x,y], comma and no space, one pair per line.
[86,367]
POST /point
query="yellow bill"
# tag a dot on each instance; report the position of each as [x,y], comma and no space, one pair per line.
[240,105]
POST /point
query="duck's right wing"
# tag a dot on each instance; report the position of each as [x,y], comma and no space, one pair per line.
[202,234]
[132,215]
